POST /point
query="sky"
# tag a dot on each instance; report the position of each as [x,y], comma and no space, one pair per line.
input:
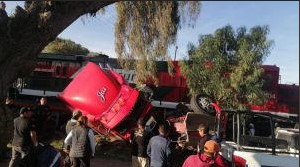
[282,17]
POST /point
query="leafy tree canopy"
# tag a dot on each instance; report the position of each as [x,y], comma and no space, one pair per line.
[146,29]
[65,46]
[226,66]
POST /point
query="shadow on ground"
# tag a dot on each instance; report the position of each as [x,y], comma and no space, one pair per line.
[109,153]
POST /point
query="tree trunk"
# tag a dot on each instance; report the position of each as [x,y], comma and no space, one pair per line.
[25,34]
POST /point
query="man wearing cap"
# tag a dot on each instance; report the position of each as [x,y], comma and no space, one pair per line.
[24,136]
[207,158]
[73,121]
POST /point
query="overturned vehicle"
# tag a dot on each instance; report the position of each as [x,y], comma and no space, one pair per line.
[113,108]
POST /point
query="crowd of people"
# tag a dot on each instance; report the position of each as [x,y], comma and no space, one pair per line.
[159,151]
[31,127]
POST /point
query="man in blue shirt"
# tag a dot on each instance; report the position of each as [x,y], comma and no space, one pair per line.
[159,149]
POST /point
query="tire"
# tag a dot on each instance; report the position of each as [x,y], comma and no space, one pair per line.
[202,104]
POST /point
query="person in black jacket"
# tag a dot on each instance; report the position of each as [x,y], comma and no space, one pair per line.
[24,136]
[42,119]
[139,143]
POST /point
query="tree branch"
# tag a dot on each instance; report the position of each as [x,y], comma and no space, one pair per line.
[29,30]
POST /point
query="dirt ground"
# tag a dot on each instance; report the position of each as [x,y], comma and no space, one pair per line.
[115,153]
[94,162]
[110,163]
[109,154]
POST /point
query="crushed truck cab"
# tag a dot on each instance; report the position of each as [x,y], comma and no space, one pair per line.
[102,95]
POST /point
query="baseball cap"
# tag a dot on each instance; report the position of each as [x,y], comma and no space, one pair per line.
[24,109]
[76,113]
[211,146]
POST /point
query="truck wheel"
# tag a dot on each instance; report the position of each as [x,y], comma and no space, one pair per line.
[202,104]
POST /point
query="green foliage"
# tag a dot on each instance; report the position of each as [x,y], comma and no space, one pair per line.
[146,29]
[226,65]
[65,46]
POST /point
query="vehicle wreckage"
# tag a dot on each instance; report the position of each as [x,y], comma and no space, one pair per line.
[113,107]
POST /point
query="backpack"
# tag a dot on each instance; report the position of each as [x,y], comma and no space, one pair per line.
[48,156]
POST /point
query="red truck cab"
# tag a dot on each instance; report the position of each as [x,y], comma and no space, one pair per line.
[102,95]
